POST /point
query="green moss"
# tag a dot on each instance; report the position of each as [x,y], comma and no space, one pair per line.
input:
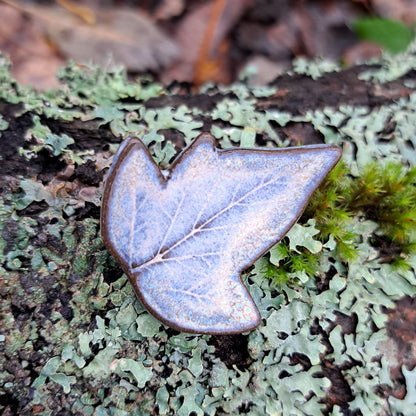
[384,192]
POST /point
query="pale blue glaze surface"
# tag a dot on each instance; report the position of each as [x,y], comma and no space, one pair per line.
[184,240]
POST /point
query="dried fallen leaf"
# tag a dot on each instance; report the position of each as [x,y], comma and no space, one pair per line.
[184,235]
[83,12]
[120,34]
[401,10]
[320,23]
[361,52]
[170,8]
[202,38]
[34,61]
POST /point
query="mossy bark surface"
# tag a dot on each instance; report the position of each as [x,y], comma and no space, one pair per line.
[337,330]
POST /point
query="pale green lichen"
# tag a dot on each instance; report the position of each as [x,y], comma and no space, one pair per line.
[392,67]
[102,353]
[4,125]
[314,68]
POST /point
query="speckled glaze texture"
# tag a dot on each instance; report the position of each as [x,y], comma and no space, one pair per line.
[183,236]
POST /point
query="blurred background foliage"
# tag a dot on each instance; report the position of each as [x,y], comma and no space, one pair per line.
[198,41]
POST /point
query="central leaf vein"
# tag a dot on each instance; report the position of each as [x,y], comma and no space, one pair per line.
[162,257]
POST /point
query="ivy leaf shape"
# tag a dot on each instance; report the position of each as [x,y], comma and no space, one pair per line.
[184,235]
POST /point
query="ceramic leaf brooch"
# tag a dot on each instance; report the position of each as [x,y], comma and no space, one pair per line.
[184,235]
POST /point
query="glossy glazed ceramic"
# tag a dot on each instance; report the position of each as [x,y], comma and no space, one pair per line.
[183,236]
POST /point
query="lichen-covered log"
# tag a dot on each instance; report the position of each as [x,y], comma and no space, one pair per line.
[336,296]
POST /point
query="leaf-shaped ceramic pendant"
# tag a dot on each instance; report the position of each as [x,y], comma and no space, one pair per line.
[184,235]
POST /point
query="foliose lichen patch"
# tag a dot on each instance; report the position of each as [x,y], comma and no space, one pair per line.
[73,336]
